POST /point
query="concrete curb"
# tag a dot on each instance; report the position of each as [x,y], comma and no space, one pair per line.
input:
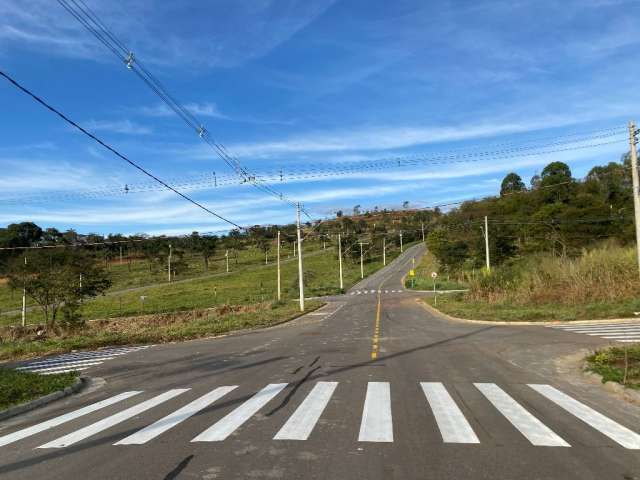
[451,318]
[78,385]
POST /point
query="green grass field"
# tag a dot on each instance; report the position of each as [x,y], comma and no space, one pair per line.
[423,279]
[18,387]
[610,363]
[248,283]
[457,306]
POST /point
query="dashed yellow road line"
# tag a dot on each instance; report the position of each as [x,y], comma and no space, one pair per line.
[376,331]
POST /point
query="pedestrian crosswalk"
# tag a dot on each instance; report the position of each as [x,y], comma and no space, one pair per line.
[625,332]
[374,292]
[451,416]
[78,361]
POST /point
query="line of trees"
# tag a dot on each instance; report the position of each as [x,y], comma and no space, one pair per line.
[557,214]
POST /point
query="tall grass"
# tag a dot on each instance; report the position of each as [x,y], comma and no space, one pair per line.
[603,274]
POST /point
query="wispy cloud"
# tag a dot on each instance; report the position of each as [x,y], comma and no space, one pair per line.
[206,109]
[124,127]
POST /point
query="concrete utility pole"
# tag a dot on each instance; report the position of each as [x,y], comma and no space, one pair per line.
[486,242]
[294,249]
[278,255]
[169,263]
[340,261]
[634,175]
[24,295]
[361,263]
[300,277]
[422,225]
[384,251]
[226,256]
[401,250]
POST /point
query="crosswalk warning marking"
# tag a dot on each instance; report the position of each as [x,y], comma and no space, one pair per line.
[67,417]
[613,430]
[61,363]
[377,425]
[533,429]
[228,424]
[301,423]
[453,426]
[173,419]
[114,419]
[65,366]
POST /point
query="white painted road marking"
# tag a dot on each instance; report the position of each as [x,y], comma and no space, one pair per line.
[615,431]
[377,425]
[532,428]
[67,417]
[227,425]
[173,419]
[454,428]
[621,331]
[301,423]
[64,367]
[115,419]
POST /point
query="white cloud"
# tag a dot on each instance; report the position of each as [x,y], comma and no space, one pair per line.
[125,127]
[206,109]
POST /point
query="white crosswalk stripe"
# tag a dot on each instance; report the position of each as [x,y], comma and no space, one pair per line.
[301,423]
[606,426]
[67,417]
[376,423]
[532,428]
[71,362]
[454,428]
[626,332]
[173,419]
[115,419]
[225,427]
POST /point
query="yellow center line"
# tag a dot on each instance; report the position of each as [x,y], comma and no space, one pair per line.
[376,332]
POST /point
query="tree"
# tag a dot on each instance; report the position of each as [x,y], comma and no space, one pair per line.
[52,280]
[23,234]
[555,172]
[512,183]
[405,204]
[356,210]
[339,213]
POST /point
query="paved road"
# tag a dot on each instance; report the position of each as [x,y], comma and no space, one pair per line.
[370,387]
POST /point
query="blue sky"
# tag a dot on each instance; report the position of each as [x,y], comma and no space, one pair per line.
[304,84]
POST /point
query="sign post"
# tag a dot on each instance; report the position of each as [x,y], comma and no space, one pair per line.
[434,275]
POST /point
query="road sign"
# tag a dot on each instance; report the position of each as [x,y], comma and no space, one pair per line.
[412,273]
[434,274]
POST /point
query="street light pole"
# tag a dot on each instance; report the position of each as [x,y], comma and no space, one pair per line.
[278,254]
[300,277]
[384,251]
[169,263]
[634,175]
[340,261]
[361,264]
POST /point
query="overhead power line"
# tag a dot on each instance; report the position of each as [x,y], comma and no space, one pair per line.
[113,150]
[297,172]
[90,20]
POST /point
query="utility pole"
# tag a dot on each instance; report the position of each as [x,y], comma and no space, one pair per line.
[300,277]
[361,263]
[24,294]
[226,256]
[486,242]
[120,254]
[169,263]
[401,250]
[340,261]
[294,249]
[278,260]
[384,251]
[634,175]
[422,231]
[80,281]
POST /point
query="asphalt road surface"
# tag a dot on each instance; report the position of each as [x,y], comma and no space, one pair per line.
[372,386]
